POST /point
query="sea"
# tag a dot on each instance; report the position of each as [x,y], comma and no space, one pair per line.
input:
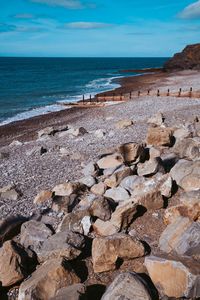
[34,86]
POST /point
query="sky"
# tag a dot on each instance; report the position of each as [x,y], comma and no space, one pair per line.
[98,28]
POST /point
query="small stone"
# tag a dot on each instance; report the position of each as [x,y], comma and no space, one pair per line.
[100,208]
[106,251]
[89,181]
[158,119]
[45,131]
[117,194]
[124,124]
[42,197]
[86,224]
[66,189]
[77,131]
[154,152]
[90,169]
[173,278]
[129,286]
[100,133]
[158,136]
[118,176]
[9,192]
[132,152]
[64,203]
[99,188]
[150,167]
[47,280]
[110,161]
[16,144]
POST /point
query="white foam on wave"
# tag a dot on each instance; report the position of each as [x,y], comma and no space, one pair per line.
[95,86]
[33,113]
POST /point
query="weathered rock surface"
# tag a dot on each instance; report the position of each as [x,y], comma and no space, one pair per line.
[15,263]
[132,152]
[115,179]
[62,244]
[66,189]
[150,167]
[9,192]
[72,221]
[101,209]
[117,194]
[187,174]
[33,234]
[158,136]
[173,278]
[189,58]
[89,181]
[106,251]
[72,292]
[99,188]
[124,124]
[47,280]
[130,183]
[127,286]
[188,148]
[181,237]
[110,161]
[158,119]
[42,197]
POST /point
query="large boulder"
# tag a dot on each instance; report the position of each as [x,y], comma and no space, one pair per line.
[106,251]
[33,234]
[132,152]
[187,174]
[110,161]
[127,286]
[47,280]
[189,58]
[124,123]
[173,278]
[181,237]
[159,136]
[66,244]
[188,148]
[15,263]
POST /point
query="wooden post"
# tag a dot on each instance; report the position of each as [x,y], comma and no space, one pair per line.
[158,93]
[90,98]
[130,95]
[179,93]
[168,92]
[83,98]
[121,97]
[190,94]
[104,97]
[113,96]
[138,93]
[97,98]
[148,93]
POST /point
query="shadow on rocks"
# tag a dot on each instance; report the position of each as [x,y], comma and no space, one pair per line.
[80,269]
[95,291]
[149,286]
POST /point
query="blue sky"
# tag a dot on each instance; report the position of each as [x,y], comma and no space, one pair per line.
[97,28]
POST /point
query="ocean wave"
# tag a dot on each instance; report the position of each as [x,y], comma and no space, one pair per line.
[33,113]
[103,84]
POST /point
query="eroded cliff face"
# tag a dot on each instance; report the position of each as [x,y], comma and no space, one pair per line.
[189,58]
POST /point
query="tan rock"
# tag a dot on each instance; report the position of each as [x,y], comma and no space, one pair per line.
[99,188]
[157,119]
[187,174]
[104,228]
[100,208]
[15,263]
[173,278]
[115,179]
[181,237]
[110,161]
[132,152]
[47,280]
[66,189]
[9,192]
[158,136]
[188,148]
[105,251]
[124,124]
[42,197]
[150,167]
[154,152]
[64,203]
[127,285]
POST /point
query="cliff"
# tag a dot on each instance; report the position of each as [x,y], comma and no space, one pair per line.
[189,58]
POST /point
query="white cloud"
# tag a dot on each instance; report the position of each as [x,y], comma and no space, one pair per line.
[192,11]
[86,25]
[71,4]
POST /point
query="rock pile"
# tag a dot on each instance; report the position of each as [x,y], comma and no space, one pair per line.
[99,239]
